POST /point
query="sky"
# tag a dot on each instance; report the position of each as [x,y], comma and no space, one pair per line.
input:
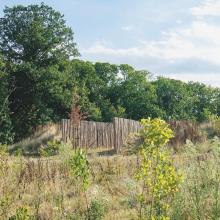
[179,39]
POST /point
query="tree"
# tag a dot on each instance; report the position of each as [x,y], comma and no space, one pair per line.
[6,135]
[205,101]
[107,73]
[97,87]
[36,34]
[36,45]
[86,84]
[108,93]
[137,94]
[175,99]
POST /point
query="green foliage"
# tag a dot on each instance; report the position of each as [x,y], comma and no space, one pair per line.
[5,202]
[181,100]
[205,101]
[79,166]
[18,152]
[86,86]
[52,148]
[35,34]
[174,98]
[97,210]
[22,213]
[216,126]
[137,95]
[159,177]
[6,134]
[4,148]
[156,133]
[36,45]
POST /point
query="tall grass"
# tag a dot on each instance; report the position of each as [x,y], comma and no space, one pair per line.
[43,188]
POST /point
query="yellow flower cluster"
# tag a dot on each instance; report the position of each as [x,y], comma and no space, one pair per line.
[156,132]
[161,218]
[159,176]
[158,173]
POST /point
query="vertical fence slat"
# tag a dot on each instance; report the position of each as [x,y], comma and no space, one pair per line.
[98,134]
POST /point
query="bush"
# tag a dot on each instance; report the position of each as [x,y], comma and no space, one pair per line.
[22,213]
[5,203]
[52,148]
[79,166]
[97,210]
[3,148]
[160,180]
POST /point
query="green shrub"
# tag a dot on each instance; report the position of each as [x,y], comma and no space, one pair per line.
[79,166]
[19,152]
[52,148]
[5,202]
[160,180]
[22,213]
[97,210]
[3,148]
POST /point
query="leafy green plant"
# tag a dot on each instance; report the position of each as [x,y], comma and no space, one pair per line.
[3,148]
[160,180]
[97,210]
[5,202]
[18,152]
[22,213]
[50,149]
[79,166]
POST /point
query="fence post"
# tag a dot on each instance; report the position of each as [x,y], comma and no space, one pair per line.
[63,126]
[115,128]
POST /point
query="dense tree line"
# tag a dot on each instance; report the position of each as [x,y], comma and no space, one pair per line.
[41,78]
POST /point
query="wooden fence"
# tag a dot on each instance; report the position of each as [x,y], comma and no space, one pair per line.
[122,129]
[91,134]
[113,135]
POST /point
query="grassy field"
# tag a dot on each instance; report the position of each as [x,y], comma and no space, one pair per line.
[43,188]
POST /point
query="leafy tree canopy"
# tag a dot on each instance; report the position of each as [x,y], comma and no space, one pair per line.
[36,34]
[37,45]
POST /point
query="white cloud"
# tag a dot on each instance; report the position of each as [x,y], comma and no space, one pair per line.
[178,21]
[198,41]
[209,79]
[207,8]
[127,28]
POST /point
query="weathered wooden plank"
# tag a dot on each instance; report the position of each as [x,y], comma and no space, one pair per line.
[98,134]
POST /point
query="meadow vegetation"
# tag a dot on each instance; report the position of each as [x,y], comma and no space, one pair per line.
[77,184]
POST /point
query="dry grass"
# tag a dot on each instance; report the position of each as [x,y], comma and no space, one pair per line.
[46,187]
[42,135]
